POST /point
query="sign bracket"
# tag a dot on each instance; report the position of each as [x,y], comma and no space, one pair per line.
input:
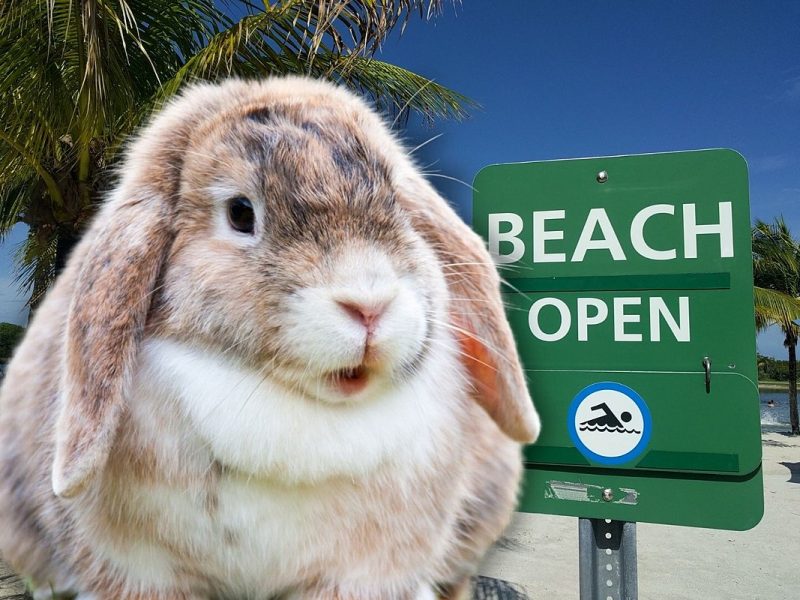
[607,559]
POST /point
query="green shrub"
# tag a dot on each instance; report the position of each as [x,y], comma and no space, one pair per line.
[10,335]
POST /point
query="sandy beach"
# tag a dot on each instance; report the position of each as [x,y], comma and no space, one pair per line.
[540,552]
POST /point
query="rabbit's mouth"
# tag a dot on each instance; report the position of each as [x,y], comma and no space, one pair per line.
[349,381]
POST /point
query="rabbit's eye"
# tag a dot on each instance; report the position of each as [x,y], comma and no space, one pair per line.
[241,215]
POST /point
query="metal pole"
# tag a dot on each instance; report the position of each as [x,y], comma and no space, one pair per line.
[607,559]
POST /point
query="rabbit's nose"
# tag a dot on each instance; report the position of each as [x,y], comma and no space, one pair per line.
[366,313]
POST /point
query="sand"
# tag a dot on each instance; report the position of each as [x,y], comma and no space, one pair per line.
[540,552]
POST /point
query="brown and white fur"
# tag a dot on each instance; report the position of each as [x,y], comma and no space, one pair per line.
[176,424]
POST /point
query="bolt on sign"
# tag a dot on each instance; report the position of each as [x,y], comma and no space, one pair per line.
[629,287]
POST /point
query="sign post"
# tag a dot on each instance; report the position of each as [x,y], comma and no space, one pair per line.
[607,559]
[629,288]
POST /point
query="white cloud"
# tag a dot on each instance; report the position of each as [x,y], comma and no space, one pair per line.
[768,164]
[792,91]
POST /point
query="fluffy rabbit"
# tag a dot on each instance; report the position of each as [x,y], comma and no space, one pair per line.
[276,365]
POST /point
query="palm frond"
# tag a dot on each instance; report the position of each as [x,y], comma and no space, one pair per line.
[275,41]
[775,308]
[396,89]
[776,257]
[357,27]
[79,76]
[35,259]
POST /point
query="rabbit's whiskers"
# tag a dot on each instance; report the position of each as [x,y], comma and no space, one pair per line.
[464,332]
[461,352]
[409,101]
[449,178]
[426,142]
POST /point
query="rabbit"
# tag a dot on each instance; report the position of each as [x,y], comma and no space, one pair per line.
[276,365]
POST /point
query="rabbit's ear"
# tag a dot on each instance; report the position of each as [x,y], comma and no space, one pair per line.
[476,312]
[121,260]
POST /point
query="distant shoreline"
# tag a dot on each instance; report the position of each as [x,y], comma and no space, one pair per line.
[773,386]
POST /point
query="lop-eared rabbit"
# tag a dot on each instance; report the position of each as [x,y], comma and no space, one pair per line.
[276,366]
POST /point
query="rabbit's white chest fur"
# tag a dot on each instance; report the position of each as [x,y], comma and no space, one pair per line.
[302,482]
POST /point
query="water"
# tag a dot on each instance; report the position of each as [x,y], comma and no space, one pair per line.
[777,415]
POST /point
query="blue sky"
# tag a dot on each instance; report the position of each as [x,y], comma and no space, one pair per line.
[575,79]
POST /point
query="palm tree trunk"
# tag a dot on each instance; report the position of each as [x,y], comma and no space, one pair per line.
[793,418]
[67,238]
[11,586]
[40,286]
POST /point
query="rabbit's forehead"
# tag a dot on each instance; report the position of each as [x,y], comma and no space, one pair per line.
[312,174]
[285,136]
[309,156]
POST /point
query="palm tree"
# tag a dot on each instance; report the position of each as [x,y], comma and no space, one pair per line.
[78,76]
[776,274]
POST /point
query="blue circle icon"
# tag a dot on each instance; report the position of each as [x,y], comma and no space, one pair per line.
[609,423]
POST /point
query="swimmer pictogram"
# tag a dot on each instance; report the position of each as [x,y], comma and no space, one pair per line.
[609,423]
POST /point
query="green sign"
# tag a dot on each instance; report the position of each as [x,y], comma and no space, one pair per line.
[629,288]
